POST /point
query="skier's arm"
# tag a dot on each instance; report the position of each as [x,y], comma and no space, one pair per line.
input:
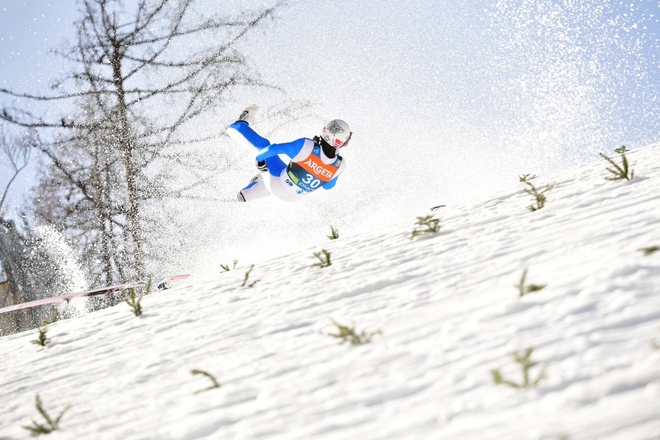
[333,181]
[291,149]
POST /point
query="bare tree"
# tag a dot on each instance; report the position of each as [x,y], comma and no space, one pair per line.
[143,73]
[79,196]
[28,268]
[16,156]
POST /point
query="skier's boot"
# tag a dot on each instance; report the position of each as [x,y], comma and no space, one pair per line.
[253,182]
[248,114]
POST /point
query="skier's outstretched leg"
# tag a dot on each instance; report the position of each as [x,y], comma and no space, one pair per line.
[241,132]
[272,167]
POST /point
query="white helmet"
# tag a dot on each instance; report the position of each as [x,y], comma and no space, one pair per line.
[336,133]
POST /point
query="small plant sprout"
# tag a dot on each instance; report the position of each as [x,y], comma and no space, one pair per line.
[226,267]
[147,289]
[42,339]
[324,259]
[134,302]
[525,362]
[210,376]
[247,277]
[54,315]
[527,177]
[427,225]
[619,172]
[539,197]
[649,250]
[334,234]
[524,289]
[347,334]
[51,424]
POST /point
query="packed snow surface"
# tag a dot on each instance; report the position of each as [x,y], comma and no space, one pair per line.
[447,311]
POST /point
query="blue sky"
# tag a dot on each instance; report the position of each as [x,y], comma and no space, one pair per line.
[29,29]
[464,96]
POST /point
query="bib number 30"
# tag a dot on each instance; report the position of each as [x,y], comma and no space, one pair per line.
[310,182]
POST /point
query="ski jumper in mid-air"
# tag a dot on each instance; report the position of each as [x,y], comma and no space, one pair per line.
[313,163]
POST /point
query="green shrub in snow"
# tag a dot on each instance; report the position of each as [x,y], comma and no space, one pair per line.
[134,301]
[210,376]
[324,259]
[54,315]
[619,172]
[247,277]
[526,363]
[43,328]
[226,267]
[524,289]
[539,196]
[51,424]
[348,334]
[649,250]
[334,234]
[427,225]
[41,339]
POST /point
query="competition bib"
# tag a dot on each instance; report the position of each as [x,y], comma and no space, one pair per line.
[310,173]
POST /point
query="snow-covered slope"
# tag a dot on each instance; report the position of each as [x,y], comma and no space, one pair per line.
[448,311]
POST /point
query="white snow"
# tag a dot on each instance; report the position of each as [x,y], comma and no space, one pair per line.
[448,311]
